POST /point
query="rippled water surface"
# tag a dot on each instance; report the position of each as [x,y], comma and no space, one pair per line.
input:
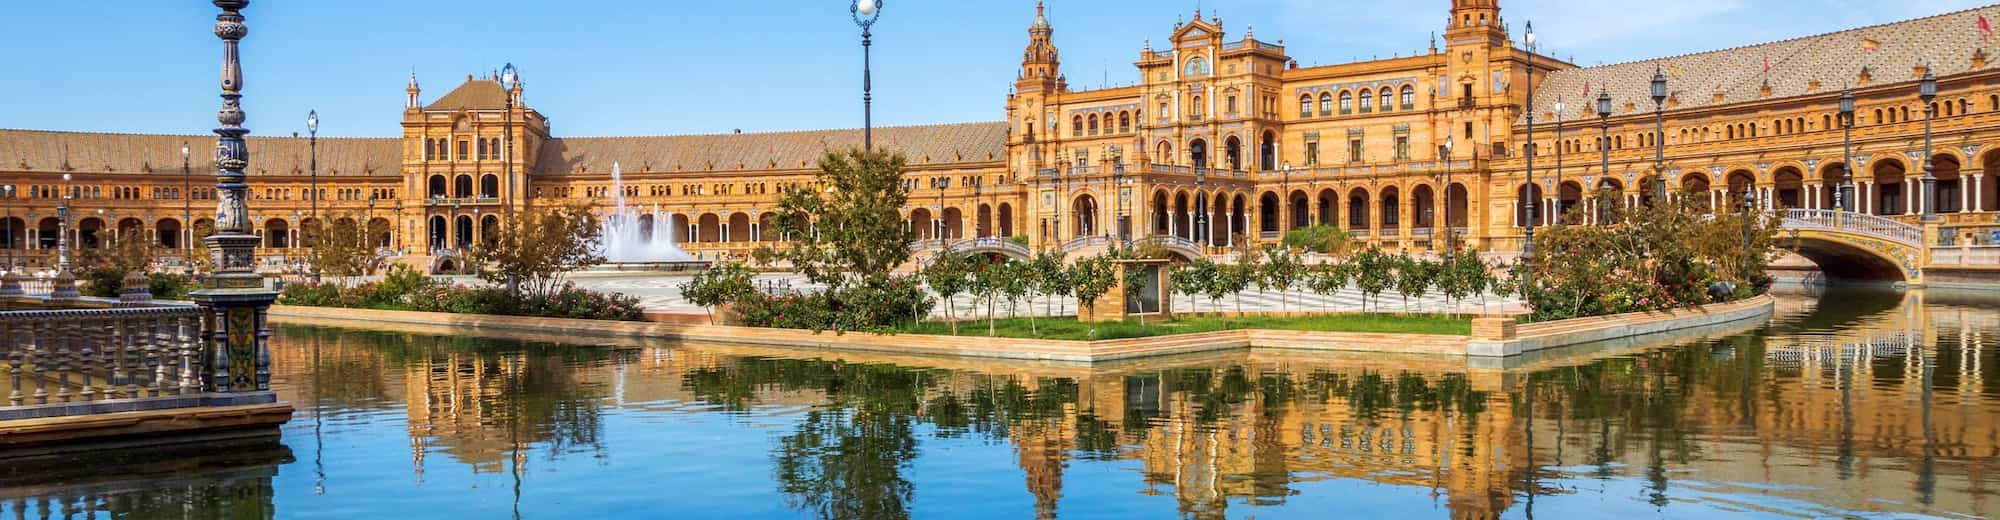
[1850,403]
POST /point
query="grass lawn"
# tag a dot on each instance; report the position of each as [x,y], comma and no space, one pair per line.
[1067,328]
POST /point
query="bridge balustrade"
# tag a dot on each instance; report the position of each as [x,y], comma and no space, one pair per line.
[1856,223]
[119,359]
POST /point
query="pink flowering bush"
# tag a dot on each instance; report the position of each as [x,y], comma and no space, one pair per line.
[420,293]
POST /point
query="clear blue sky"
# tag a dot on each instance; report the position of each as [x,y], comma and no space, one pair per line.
[646,67]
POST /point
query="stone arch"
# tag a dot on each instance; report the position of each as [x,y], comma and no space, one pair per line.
[1300,205]
[1788,187]
[489,230]
[1423,206]
[1390,206]
[438,233]
[1267,212]
[1006,218]
[1949,171]
[708,228]
[1357,210]
[1988,182]
[489,186]
[1841,258]
[739,227]
[381,233]
[461,186]
[438,187]
[167,233]
[1887,196]
[1328,202]
[1523,193]
[276,233]
[1083,215]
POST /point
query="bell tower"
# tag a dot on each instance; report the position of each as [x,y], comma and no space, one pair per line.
[1041,67]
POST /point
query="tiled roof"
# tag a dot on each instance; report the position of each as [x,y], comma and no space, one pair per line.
[1947,42]
[474,94]
[927,144]
[91,152]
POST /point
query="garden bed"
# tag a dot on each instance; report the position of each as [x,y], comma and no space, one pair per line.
[1067,328]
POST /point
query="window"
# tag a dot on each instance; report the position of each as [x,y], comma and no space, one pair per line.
[483,152]
[1468,130]
[1093,124]
[1367,102]
[1163,111]
[1230,104]
[1354,149]
[1124,122]
[1409,97]
[1384,102]
[1402,148]
[1305,106]
[430,149]
[1076,126]
[1312,153]
[1347,103]
[463,147]
[1325,104]
[1993,102]
[1195,108]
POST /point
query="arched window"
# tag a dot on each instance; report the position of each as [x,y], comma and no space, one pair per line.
[1367,102]
[1196,108]
[1384,100]
[1229,105]
[430,149]
[1993,102]
[1305,105]
[1409,97]
[1905,115]
[1878,116]
[1076,126]
[1325,104]
[1093,124]
[1347,102]
[1124,122]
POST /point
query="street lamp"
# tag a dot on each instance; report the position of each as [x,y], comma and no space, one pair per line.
[312,168]
[1528,192]
[1749,206]
[1559,164]
[509,79]
[1927,91]
[62,220]
[7,192]
[1846,185]
[1604,125]
[865,12]
[187,208]
[1659,134]
[1446,149]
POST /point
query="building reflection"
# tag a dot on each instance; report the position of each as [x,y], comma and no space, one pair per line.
[1845,403]
[217,479]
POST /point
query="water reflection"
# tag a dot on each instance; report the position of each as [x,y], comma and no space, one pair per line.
[1848,403]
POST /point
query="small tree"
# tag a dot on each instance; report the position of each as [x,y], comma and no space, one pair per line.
[948,276]
[846,225]
[1048,278]
[1327,279]
[1319,238]
[728,282]
[1016,280]
[1414,277]
[1194,278]
[1090,278]
[1453,280]
[1282,271]
[988,280]
[539,248]
[103,269]
[1241,276]
[343,251]
[1373,273]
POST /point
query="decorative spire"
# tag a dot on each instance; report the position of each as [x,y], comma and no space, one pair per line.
[1041,18]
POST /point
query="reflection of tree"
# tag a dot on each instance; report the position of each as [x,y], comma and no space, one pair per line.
[843,463]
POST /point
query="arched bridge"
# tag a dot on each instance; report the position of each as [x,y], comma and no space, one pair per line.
[1855,246]
[984,245]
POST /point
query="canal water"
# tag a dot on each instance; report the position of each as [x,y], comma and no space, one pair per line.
[1850,403]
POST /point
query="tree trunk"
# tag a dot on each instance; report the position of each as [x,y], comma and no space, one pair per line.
[991,327]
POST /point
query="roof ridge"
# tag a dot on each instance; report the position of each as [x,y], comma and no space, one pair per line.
[786,132]
[1786,40]
[188,136]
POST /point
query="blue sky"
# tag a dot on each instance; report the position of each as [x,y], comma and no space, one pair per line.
[648,67]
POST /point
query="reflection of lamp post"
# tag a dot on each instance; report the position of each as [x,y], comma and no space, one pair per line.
[1927,91]
[865,12]
[1430,217]
[1846,185]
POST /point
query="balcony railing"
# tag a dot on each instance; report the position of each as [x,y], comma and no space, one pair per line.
[461,201]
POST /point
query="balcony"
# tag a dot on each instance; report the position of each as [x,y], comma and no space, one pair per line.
[462,201]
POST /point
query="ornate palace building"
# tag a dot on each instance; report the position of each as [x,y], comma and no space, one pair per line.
[1224,141]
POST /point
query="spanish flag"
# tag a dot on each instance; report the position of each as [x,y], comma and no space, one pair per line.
[1869,44]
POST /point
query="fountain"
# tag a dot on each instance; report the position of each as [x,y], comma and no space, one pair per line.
[636,240]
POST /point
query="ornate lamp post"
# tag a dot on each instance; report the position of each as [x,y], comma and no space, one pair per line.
[1749,218]
[7,192]
[62,221]
[1604,140]
[1528,245]
[1927,91]
[1445,153]
[234,296]
[1559,165]
[1846,186]
[187,208]
[865,12]
[1659,87]
[509,79]
[318,231]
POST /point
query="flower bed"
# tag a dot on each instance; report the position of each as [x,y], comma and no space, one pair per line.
[405,290]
